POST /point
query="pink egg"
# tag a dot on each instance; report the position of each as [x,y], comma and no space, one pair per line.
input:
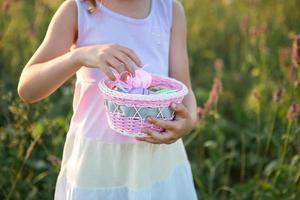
[142,79]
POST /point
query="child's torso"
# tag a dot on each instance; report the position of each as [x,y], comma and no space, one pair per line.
[149,38]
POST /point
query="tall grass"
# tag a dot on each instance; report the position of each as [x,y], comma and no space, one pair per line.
[247,143]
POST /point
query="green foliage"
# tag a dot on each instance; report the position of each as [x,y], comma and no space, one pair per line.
[246,148]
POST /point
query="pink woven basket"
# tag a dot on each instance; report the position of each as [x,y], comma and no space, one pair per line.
[126,113]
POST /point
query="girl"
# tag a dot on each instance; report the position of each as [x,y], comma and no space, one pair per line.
[90,38]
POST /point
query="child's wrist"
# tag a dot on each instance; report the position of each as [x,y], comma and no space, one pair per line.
[76,57]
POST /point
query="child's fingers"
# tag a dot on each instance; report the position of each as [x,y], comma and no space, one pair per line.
[130,53]
[164,124]
[159,138]
[107,71]
[122,57]
[148,139]
[116,64]
[180,109]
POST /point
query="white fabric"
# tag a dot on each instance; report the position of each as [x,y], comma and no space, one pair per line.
[176,187]
[99,163]
[95,164]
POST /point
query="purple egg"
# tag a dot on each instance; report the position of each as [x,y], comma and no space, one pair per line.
[139,90]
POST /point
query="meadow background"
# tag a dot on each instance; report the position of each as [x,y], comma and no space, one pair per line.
[245,73]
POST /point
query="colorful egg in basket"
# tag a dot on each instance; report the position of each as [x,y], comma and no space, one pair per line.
[127,113]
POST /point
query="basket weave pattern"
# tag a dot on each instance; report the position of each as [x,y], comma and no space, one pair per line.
[126,113]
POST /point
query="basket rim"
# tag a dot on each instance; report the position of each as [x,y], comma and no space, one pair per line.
[152,97]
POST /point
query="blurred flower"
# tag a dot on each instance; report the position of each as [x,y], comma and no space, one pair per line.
[292,73]
[244,23]
[293,112]
[263,28]
[277,95]
[30,34]
[213,95]
[219,65]
[296,51]
[6,5]
[256,31]
[212,99]
[31,31]
[253,32]
[284,56]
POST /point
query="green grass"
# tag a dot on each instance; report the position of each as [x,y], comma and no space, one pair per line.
[245,148]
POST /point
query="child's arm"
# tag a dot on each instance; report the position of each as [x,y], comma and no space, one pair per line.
[179,64]
[53,63]
[186,113]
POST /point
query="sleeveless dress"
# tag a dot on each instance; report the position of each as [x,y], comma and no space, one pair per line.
[98,163]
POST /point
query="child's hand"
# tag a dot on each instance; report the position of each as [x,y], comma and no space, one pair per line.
[108,56]
[174,130]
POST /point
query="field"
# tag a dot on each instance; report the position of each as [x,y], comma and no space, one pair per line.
[244,59]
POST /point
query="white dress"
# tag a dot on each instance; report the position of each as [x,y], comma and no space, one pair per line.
[97,162]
